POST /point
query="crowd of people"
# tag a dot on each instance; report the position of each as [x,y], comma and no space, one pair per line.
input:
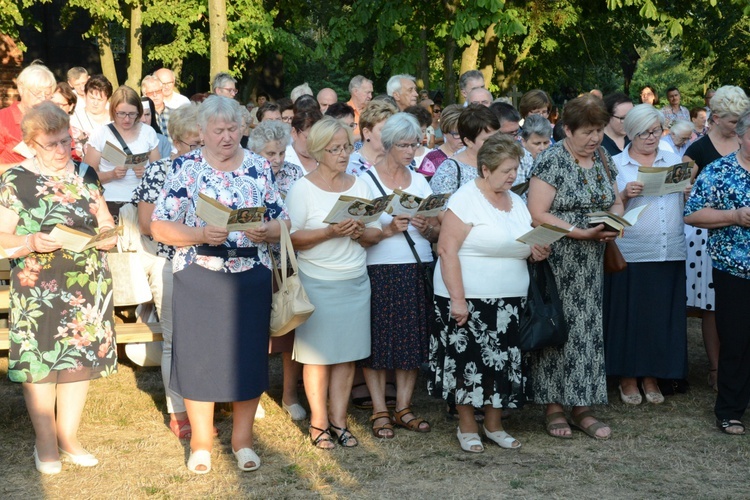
[85,155]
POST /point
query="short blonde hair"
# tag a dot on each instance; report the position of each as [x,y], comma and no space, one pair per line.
[729,101]
[125,95]
[44,118]
[376,112]
[183,121]
[322,133]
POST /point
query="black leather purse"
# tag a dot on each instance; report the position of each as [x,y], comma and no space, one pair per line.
[542,323]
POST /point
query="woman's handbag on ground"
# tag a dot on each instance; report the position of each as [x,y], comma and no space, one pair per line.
[290,306]
[542,323]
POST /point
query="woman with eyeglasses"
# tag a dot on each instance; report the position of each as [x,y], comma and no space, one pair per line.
[450,141]
[371,122]
[400,310]
[332,268]
[62,322]
[129,135]
[615,138]
[645,316]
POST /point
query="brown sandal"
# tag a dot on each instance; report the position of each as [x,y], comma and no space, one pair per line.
[378,430]
[558,415]
[576,421]
[413,424]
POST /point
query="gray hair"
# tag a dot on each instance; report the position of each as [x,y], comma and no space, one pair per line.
[266,132]
[472,74]
[536,124]
[357,82]
[217,107]
[640,118]
[36,75]
[222,79]
[400,127]
[394,83]
[301,90]
[150,80]
[743,123]
[729,100]
[681,126]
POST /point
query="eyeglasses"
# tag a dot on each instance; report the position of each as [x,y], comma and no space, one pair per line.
[52,146]
[287,119]
[228,90]
[338,149]
[437,110]
[455,135]
[352,125]
[645,135]
[621,118]
[191,146]
[413,145]
[153,93]
[41,94]
[122,114]
[167,84]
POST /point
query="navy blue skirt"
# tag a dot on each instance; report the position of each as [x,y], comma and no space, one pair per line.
[220,335]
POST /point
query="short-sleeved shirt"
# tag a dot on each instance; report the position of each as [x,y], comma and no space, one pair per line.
[451,175]
[176,100]
[357,164]
[724,185]
[670,116]
[250,185]
[149,190]
[288,174]
[702,152]
[10,134]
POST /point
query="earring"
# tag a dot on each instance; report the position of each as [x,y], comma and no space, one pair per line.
[367,140]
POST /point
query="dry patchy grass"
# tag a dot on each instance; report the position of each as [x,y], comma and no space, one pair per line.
[666,451]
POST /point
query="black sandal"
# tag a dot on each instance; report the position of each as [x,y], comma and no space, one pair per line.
[344,436]
[321,438]
[726,423]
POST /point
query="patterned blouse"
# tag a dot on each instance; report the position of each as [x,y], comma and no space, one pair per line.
[287,175]
[250,185]
[724,185]
[451,175]
[148,191]
[357,164]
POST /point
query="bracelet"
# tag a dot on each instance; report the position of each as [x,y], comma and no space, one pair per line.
[27,245]
[572,228]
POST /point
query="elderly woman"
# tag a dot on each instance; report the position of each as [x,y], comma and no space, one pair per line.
[475,125]
[132,137]
[332,268]
[399,310]
[35,84]
[644,306]
[157,257]
[371,122]
[480,285]
[699,117]
[450,145]
[61,322]
[719,202]
[270,139]
[216,270]
[678,138]
[726,106]
[296,152]
[615,139]
[65,98]
[572,178]
[536,133]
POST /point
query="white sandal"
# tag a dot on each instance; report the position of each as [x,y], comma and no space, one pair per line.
[469,439]
[245,455]
[503,439]
[199,457]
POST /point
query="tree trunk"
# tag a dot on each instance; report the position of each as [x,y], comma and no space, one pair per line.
[106,56]
[489,54]
[468,61]
[424,62]
[217,14]
[135,50]
[629,64]
[449,75]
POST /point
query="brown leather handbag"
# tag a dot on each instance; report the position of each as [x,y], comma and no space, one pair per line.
[614,262]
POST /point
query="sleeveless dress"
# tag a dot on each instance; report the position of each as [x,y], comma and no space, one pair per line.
[61,311]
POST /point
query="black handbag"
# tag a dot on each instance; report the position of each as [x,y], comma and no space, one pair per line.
[542,323]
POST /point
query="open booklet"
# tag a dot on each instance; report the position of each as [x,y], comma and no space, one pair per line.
[404,203]
[658,181]
[614,222]
[543,234]
[216,214]
[78,241]
[352,207]
[119,158]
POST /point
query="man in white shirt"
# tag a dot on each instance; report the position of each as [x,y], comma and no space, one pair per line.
[172,98]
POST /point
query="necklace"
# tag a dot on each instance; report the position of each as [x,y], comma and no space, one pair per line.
[317,171]
[38,164]
[392,176]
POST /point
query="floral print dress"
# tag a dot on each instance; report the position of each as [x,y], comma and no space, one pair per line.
[61,311]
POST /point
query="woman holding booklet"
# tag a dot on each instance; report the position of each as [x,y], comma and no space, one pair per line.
[222,356]
[62,321]
[399,308]
[119,151]
[645,317]
[332,268]
[481,283]
[572,179]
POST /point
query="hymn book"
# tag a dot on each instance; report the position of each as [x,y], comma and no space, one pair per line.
[543,234]
[353,207]
[78,241]
[119,158]
[658,181]
[239,219]
[614,222]
[404,203]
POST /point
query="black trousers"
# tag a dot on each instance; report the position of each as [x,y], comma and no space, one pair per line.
[733,325]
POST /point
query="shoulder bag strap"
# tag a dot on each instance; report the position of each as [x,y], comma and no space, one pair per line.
[605,162]
[125,148]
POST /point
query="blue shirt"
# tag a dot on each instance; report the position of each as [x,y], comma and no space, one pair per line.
[724,185]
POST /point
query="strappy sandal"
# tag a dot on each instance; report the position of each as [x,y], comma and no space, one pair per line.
[725,424]
[344,436]
[468,440]
[414,424]
[323,437]
[558,415]
[365,402]
[575,421]
[181,428]
[378,430]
